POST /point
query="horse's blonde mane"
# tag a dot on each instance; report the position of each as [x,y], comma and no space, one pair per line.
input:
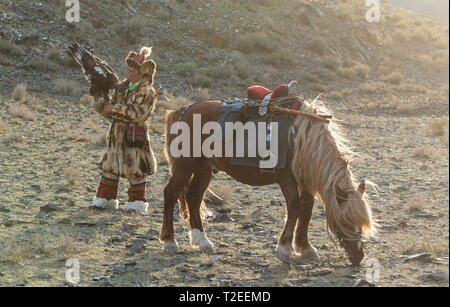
[321,165]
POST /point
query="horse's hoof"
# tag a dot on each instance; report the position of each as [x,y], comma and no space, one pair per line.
[283,253]
[310,254]
[171,247]
[207,247]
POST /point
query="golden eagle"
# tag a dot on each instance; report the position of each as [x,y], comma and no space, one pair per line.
[102,76]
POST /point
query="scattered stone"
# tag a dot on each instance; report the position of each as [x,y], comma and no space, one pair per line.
[320,273]
[363,283]
[402,225]
[427,216]
[44,276]
[89,224]
[19,283]
[419,257]
[129,227]
[136,248]
[129,263]
[275,202]
[437,276]
[100,278]
[4,209]
[213,259]
[222,218]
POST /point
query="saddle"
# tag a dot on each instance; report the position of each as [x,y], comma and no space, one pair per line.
[246,111]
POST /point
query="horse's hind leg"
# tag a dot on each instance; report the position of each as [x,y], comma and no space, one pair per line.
[172,190]
[290,191]
[194,197]
[301,244]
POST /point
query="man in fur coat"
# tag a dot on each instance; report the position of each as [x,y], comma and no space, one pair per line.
[128,153]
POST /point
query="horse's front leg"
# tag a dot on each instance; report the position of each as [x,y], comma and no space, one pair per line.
[194,197]
[302,245]
[290,192]
[171,193]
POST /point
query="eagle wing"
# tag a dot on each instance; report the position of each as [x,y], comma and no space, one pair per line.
[101,76]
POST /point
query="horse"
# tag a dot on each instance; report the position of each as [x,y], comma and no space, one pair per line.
[318,165]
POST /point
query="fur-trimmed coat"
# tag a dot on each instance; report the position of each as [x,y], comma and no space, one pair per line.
[129,107]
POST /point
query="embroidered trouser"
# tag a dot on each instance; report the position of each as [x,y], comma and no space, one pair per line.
[109,184]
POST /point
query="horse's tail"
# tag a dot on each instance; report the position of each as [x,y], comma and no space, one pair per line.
[182,199]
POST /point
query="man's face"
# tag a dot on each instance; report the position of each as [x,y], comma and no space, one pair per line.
[134,75]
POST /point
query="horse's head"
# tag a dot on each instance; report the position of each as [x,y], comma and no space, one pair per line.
[354,222]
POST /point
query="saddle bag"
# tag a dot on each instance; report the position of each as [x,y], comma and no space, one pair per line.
[135,135]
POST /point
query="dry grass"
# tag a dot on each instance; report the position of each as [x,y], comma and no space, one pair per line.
[280,58]
[22,111]
[225,192]
[8,48]
[340,94]
[318,45]
[317,87]
[186,69]
[87,99]
[258,42]
[410,243]
[66,87]
[71,175]
[54,245]
[173,102]
[79,136]
[405,108]
[20,92]
[16,140]
[424,152]
[130,30]
[356,71]
[438,127]
[417,203]
[394,78]
[2,126]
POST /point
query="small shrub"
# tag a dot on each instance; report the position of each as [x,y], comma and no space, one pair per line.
[280,59]
[2,126]
[332,63]
[79,136]
[8,48]
[423,152]
[394,78]
[173,102]
[438,127]
[405,108]
[258,42]
[371,88]
[71,175]
[39,65]
[318,45]
[186,69]
[318,87]
[21,111]
[417,203]
[200,79]
[87,99]
[66,87]
[131,30]
[221,71]
[20,92]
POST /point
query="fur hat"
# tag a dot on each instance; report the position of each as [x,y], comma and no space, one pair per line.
[140,62]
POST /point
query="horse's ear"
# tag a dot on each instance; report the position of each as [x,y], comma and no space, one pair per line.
[362,186]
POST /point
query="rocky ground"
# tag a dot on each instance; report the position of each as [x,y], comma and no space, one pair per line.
[50,143]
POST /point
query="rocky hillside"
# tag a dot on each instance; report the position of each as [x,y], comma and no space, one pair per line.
[226,46]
